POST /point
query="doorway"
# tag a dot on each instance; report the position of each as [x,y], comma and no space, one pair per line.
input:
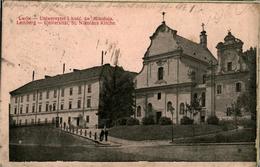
[158,116]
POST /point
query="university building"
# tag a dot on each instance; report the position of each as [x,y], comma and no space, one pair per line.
[70,98]
[177,70]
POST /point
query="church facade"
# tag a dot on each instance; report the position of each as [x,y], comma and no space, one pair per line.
[176,71]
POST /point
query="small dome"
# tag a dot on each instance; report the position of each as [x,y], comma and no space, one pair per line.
[229,37]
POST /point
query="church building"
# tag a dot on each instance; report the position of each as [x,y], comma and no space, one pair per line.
[176,71]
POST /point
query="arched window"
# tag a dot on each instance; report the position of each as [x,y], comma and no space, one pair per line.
[182,108]
[169,106]
[160,73]
[203,99]
[150,107]
[138,111]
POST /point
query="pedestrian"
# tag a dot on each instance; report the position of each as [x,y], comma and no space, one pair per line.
[106,134]
[101,135]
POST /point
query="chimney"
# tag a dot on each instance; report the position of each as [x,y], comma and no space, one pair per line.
[33,75]
[203,37]
[63,68]
[47,76]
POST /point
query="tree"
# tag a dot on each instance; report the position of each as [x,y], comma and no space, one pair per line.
[117,94]
[248,99]
[194,108]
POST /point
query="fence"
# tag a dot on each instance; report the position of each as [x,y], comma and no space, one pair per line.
[91,134]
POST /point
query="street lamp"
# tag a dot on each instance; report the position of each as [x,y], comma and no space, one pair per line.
[172,111]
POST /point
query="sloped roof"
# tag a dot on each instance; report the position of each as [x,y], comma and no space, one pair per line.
[173,42]
[194,49]
[77,75]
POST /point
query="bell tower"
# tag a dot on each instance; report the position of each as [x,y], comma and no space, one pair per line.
[203,37]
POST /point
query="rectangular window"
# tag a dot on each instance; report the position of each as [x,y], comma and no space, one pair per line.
[15,110]
[15,99]
[71,91]
[21,99]
[40,108]
[47,94]
[32,121]
[160,73]
[55,93]
[33,108]
[28,98]
[62,92]
[21,109]
[47,107]
[229,110]
[89,88]
[79,90]
[88,102]
[40,96]
[54,106]
[46,120]
[159,96]
[39,120]
[229,66]
[70,104]
[61,106]
[87,119]
[25,121]
[27,108]
[79,103]
[34,95]
[219,89]
[50,107]
[238,87]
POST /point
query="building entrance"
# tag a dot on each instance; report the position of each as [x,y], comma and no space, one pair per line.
[158,116]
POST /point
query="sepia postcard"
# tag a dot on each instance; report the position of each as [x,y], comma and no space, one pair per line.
[129,83]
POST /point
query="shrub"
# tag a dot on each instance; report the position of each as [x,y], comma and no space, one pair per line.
[165,121]
[186,121]
[121,121]
[213,120]
[148,120]
[132,121]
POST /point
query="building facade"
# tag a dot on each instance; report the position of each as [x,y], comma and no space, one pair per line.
[177,71]
[69,99]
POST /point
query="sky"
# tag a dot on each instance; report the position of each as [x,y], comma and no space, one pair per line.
[44,48]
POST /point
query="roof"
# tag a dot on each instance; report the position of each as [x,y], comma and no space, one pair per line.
[166,40]
[194,49]
[61,79]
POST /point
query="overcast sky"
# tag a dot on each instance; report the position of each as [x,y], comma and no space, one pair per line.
[45,48]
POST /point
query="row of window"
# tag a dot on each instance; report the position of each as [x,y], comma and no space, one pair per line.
[203,98]
[169,108]
[238,88]
[54,94]
[161,74]
[49,107]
